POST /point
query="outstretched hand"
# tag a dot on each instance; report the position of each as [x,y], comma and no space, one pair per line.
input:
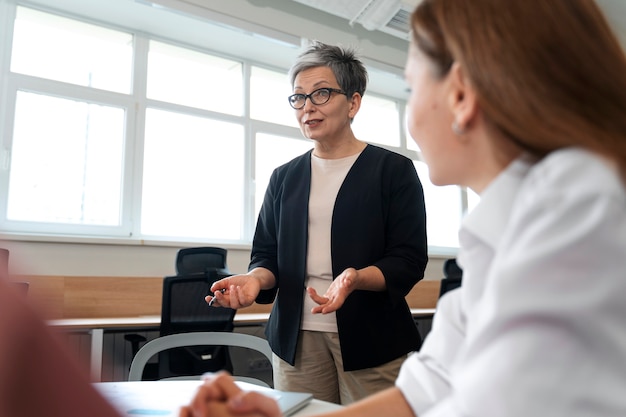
[236,291]
[219,396]
[336,294]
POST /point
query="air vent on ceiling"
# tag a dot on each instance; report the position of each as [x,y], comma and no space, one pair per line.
[400,24]
[389,16]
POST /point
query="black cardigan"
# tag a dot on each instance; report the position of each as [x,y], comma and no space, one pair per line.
[378,219]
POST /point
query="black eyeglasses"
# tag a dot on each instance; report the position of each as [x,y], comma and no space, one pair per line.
[317,97]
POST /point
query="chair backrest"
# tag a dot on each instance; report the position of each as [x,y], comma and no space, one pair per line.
[180,340]
[22,286]
[4,262]
[197,260]
[453,276]
[184,309]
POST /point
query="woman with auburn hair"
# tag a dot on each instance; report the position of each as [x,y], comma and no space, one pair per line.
[524,102]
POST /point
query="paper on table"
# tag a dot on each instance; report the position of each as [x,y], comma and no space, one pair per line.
[164,398]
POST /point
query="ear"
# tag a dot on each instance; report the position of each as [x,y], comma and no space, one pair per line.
[355,105]
[461,97]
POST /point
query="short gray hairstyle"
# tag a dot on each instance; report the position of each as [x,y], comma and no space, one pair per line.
[348,69]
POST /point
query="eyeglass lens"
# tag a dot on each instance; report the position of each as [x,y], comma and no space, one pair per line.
[317,97]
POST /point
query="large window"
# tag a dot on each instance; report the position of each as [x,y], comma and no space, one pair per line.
[378,121]
[66,50]
[193,177]
[66,161]
[189,78]
[113,132]
[273,151]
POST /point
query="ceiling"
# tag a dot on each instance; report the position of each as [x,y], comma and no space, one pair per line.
[187,21]
[392,16]
[389,16]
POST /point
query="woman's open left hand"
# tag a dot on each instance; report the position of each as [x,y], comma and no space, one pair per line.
[336,294]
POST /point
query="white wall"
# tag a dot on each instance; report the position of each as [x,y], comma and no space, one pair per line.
[93,259]
[80,259]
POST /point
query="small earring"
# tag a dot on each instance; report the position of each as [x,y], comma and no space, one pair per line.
[457,129]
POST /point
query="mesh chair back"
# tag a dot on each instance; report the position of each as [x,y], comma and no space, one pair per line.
[453,276]
[4,262]
[184,310]
[22,286]
[198,260]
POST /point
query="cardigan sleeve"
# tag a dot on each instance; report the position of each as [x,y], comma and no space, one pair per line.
[406,250]
[265,245]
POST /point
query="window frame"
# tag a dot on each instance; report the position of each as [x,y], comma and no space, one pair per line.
[135,105]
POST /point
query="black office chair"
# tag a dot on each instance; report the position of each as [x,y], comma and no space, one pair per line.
[190,261]
[183,310]
[452,276]
[21,286]
[4,262]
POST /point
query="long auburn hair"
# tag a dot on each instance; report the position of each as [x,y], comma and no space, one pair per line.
[548,74]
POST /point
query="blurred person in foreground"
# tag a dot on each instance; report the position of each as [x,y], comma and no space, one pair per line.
[339,243]
[37,375]
[523,102]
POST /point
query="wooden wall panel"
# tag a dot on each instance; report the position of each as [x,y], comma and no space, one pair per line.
[91,297]
[112,296]
[47,294]
[424,294]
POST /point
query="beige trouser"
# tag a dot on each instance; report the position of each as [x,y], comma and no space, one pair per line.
[320,371]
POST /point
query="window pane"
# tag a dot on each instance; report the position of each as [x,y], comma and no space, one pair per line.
[268,97]
[472,200]
[193,177]
[377,121]
[443,210]
[190,78]
[271,152]
[66,161]
[410,142]
[66,50]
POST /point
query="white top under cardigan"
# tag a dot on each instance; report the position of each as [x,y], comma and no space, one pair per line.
[327,176]
[539,325]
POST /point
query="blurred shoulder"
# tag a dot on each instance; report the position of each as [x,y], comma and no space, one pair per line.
[576,171]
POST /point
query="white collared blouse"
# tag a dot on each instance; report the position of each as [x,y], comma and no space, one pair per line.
[539,325]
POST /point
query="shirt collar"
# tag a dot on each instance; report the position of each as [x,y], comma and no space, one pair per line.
[489,218]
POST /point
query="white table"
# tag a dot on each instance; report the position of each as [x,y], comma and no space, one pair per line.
[96,327]
[164,398]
